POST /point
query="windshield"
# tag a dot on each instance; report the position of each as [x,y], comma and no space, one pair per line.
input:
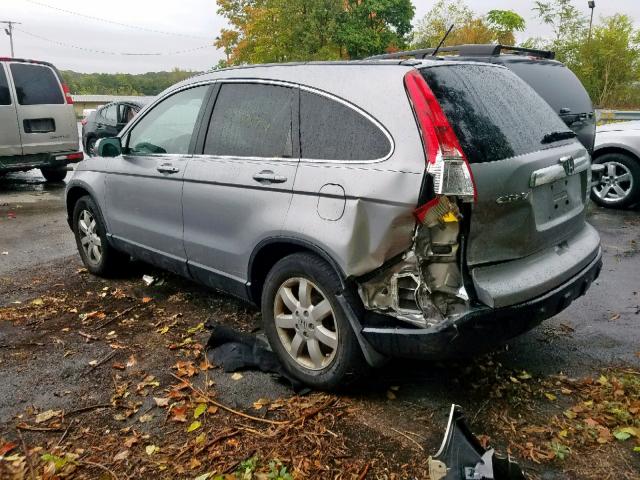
[495,114]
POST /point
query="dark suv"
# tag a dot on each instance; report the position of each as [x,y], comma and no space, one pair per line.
[551,79]
[107,121]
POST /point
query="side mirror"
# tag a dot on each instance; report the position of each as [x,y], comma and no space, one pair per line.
[109,147]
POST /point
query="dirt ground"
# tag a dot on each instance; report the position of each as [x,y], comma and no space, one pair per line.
[109,379]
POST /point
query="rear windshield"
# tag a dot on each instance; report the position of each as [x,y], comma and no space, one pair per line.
[36,84]
[555,83]
[493,112]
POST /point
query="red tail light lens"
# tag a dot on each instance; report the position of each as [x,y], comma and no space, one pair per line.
[83,121]
[67,94]
[445,159]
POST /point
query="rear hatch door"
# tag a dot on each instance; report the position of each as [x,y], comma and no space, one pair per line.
[531,173]
[47,122]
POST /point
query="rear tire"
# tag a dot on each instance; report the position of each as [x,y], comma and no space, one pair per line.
[54,174]
[90,232]
[620,185]
[312,335]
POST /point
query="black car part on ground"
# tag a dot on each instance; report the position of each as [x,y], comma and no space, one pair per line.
[235,351]
[462,457]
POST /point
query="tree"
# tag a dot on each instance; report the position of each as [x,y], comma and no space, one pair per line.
[498,26]
[286,30]
[568,25]
[504,23]
[368,27]
[609,64]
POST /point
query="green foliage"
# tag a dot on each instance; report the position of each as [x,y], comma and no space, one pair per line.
[560,451]
[150,83]
[497,27]
[277,471]
[374,26]
[264,31]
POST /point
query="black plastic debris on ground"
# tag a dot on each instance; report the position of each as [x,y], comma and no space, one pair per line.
[234,351]
[462,457]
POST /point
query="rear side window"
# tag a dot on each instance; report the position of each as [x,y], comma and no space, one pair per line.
[495,114]
[109,113]
[330,130]
[555,83]
[5,97]
[251,120]
[36,85]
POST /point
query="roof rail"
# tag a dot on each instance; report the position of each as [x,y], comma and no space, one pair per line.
[470,50]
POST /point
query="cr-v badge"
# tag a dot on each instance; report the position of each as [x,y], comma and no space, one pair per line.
[513,197]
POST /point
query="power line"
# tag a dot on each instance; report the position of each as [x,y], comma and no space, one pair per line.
[108,52]
[112,22]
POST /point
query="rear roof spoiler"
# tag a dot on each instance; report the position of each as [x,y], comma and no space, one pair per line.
[470,50]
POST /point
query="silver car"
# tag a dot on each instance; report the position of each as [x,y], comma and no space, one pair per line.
[617,147]
[372,209]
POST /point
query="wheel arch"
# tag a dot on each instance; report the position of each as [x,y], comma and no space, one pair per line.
[74,193]
[616,149]
[269,251]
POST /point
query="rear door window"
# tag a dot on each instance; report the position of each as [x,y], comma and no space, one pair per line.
[330,130]
[555,83]
[252,120]
[494,113]
[5,96]
[169,126]
[36,84]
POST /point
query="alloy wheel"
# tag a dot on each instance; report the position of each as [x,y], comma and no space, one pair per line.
[89,238]
[306,324]
[616,183]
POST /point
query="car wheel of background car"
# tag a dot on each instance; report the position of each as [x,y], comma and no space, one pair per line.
[97,254]
[54,174]
[620,183]
[306,325]
[91,146]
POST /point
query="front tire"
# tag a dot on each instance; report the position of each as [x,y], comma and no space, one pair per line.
[97,254]
[90,148]
[620,184]
[54,174]
[305,324]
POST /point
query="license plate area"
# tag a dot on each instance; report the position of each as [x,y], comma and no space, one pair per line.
[556,201]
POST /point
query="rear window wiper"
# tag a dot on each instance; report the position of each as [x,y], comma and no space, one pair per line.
[555,136]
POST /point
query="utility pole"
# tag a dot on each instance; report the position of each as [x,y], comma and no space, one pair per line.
[592,6]
[9,31]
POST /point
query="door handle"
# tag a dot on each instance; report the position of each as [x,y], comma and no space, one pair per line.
[167,168]
[267,176]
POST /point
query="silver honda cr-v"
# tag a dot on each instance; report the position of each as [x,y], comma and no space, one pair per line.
[373,209]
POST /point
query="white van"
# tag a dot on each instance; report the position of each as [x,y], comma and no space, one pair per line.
[37,119]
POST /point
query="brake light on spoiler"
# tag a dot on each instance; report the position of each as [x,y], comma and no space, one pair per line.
[445,160]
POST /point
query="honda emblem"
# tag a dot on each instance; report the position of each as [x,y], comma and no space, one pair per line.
[568,164]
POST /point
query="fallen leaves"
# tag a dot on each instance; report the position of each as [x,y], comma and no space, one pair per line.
[48,415]
[151,449]
[194,426]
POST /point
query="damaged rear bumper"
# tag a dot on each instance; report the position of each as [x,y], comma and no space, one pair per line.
[482,327]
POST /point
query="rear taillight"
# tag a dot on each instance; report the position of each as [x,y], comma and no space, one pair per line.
[83,121]
[71,157]
[446,161]
[67,94]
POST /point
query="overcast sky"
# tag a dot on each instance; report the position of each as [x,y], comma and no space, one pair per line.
[169,27]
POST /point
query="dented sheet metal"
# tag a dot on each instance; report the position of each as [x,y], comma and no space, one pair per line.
[425,287]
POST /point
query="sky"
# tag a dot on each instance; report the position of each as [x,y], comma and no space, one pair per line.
[182,31]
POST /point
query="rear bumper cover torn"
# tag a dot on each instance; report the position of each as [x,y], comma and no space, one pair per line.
[482,327]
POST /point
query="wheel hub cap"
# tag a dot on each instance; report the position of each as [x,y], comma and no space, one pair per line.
[89,238]
[305,323]
[616,184]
